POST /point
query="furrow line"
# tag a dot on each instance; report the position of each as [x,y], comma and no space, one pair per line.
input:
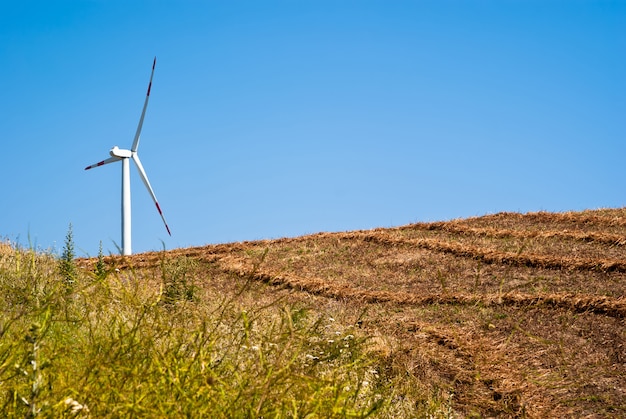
[452,227]
[496,257]
[604,305]
[570,217]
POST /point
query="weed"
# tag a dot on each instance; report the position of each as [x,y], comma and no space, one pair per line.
[100,269]
[176,280]
[477,280]
[442,281]
[67,266]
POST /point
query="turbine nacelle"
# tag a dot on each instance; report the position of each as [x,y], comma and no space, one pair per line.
[120,153]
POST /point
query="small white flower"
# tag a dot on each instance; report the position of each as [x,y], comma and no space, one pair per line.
[74,406]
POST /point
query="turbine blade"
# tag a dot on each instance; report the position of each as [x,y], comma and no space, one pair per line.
[143,112]
[144,177]
[103,162]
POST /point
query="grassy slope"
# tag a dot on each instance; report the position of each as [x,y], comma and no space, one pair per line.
[505,315]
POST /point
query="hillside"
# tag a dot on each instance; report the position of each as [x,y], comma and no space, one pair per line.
[502,315]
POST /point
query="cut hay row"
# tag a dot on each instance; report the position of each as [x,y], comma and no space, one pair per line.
[580,218]
[496,257]
[610,306]
[457,228]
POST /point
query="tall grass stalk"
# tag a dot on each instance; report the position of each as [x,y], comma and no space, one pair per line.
[111,348]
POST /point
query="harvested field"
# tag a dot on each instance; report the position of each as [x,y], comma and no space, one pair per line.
[506,315]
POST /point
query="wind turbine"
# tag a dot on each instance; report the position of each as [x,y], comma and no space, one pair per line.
[118,154]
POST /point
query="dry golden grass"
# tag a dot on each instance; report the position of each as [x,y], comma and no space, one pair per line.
[508,315]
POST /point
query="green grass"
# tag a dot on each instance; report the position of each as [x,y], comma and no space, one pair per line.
[151,344]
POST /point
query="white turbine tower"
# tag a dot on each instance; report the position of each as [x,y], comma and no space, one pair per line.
[125,155]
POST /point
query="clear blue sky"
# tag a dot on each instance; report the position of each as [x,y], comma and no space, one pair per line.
[282,118]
